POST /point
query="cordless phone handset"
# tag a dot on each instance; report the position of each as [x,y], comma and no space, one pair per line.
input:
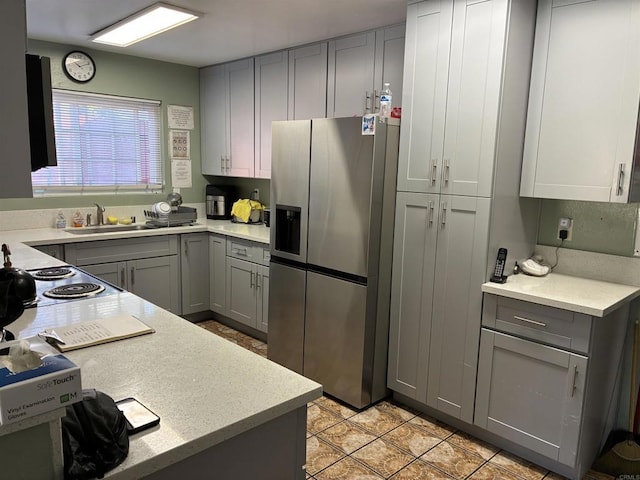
[498,272]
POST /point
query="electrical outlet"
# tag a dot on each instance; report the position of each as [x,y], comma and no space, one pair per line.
[255,195]
[565,225]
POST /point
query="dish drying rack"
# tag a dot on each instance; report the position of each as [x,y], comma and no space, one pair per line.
[182,216]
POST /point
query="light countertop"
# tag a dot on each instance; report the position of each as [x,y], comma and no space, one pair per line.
[204,388]
[47,236]
[592,297]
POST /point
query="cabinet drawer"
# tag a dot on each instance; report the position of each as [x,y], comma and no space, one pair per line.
[552,326]
[248,250]
[104,251]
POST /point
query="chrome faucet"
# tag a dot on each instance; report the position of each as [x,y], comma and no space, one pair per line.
[99,214]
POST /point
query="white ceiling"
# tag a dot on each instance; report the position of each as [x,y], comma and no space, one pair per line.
[228,30]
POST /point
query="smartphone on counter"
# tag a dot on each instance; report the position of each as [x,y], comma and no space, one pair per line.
[138,416]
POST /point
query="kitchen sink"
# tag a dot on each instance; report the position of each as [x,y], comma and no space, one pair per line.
[107,229]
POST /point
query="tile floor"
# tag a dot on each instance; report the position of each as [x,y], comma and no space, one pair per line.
[390,441]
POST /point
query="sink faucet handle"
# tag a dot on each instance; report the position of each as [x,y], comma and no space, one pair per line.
[100,207]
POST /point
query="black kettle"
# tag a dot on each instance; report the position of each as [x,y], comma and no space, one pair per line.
[17,289]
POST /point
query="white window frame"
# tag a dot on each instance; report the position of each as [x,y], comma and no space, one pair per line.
[81,147]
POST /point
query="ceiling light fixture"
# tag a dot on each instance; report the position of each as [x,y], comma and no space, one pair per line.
[151,21]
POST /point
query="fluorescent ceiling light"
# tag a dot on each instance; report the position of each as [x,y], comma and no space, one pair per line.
[151,21]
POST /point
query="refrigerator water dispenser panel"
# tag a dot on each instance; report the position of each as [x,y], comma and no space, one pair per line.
[288,229]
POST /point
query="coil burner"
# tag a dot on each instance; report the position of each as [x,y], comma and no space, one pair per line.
[55,273]
[74,290]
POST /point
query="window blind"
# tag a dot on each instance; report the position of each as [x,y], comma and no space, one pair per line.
[104,144]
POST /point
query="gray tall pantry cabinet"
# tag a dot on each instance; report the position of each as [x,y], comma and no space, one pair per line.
[465,86]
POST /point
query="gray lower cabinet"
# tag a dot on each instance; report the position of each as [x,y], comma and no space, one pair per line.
[439,261]
[218,273]
[555,365]
[55,251]
[194,272]
[247,283]
[145,266]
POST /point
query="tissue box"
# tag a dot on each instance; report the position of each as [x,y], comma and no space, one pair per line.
[55,383]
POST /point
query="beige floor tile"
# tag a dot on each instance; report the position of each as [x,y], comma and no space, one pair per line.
[519,466]
[319,418]
[347,436]
[383,457]
[377,421]
[347,469]
[320,455]
[336,407]
[468,442]
[593,475]
[412,439]
[420,470]
[432,425]
[401,413]
[489,471]
[555,476]
[452,459]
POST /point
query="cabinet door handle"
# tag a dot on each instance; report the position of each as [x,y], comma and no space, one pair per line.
[133,276]
[251,279]
[535,322]
[222,164]
[443,215]
[431,209]
[434,170]
[445,171]
[575,377]
[122,279]
[376,101]
[240,251]
[186,249]
[257,283]
[620,186]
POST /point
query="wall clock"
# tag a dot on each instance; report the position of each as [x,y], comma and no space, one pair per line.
[79,66]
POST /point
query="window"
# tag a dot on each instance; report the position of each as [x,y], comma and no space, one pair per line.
[104,144]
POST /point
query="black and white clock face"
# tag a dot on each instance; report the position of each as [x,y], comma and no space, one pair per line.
[79,66]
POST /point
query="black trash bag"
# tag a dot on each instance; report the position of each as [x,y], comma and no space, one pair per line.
[94,437]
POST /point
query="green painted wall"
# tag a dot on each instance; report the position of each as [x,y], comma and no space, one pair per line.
[597,227]
[128,76]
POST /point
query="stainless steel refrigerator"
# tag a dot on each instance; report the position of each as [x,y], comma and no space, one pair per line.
[333,200]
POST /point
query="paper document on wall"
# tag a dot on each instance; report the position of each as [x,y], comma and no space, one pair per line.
[181,173]
[95,332]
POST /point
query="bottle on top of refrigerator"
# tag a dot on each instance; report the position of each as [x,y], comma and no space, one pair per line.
[385,101]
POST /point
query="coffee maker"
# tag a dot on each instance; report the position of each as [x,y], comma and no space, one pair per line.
[219,201]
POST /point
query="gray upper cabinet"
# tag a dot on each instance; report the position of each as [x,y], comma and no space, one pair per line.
[452,97]
[194,272]
[15,181]
[339,78]
[466,82]
[308,82]
[389,61]
[358,65]
[271,96]
[350,75]
[424,91]
[227,119]
[583,107]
